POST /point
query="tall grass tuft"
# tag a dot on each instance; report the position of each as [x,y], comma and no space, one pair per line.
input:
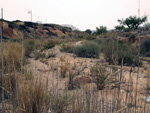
[32,95]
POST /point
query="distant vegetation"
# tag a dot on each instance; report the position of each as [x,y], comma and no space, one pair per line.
[75,72]
[131,22]
[101,30]
[88,31]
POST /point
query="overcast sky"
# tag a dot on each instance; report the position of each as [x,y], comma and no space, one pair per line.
[83,14]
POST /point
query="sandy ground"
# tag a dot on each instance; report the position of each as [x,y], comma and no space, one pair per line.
[51,69]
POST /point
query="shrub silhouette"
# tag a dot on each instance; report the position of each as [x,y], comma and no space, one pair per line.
[88,50]
[145,47]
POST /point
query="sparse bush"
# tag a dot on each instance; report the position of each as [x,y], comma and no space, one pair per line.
[145,47]
[48,45]
[64,68]
[25,28]
[66,48]
[15,40]
[63,37]
[131,38]
[51,33]
[30,24]
[120,28]
[90,37]
[59,101]
[98,40]
[38,55]
[29,47]
[12,25]
[51,54]
[99,74]
[88,50]
[70,83]
[109,49]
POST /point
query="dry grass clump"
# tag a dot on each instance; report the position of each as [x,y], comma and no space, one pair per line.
[59,100]
[64,68]
[48,44]
[11,82]
[26,93]
[32,95]
[12,54]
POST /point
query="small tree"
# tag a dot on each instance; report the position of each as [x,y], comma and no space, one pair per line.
[101,30]
[88,31]
[133,22]
[120,28]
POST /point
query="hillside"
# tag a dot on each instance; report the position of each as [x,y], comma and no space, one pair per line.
[70,26]
[20,29]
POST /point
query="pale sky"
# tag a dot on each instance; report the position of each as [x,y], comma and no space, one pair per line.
[83,14]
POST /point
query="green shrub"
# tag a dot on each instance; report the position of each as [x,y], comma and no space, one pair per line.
[12,25]
[98,40]
[101,30]
[24,28]
[90,37]
[132,38]
[145,47]
[88,31]
[66,48]
[63,37]
[88,50]
[30,24]
[48,45]
[120,28]
[29,47]
[125,52]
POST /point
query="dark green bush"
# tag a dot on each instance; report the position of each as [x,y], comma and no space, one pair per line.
[132,38]
[125,52]
[98,40]
[88,31]
[30,24]
[50,44]
[12,25]
[29,47]
[63,37]
[101,30]
[25,28]
[88,50]
[145,47]
[51,33]
[90,37]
